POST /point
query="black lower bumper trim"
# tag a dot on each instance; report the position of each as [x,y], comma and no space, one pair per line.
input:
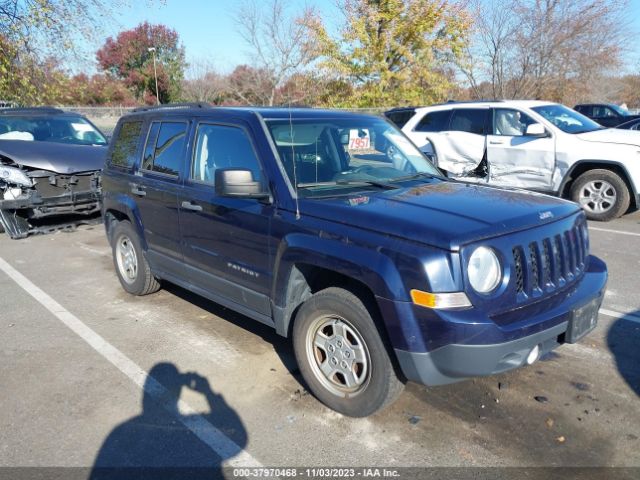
[454,363]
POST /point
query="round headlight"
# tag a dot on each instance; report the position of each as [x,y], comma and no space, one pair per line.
[484,270]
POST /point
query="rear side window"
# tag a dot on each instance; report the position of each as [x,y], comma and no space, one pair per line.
[437,121]
[585,110]
[126,144]
[165,144]
[471,120]
[221,146]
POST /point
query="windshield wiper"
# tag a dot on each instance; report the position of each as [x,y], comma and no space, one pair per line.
[430,176]
[350,183]
[373,183]
[588,130]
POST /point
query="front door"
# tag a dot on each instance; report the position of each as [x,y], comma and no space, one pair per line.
[226,240]
[155,189]
[516,159]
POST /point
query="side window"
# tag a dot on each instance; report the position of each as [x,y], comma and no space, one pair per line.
[401,118]
[603,112]
[126,144]
[471,120]
[437,121]
[511,123]
[163,152]
[221,146]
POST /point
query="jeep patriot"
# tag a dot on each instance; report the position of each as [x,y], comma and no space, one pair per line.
[335,230]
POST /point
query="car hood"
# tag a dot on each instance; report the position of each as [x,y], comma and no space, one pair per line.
[54,157]
[612,135]
[445,214]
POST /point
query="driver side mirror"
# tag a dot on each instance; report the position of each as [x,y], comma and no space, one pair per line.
[536,130]
[239,183]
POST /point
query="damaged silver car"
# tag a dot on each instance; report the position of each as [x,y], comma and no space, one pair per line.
[536,145]
[50,163]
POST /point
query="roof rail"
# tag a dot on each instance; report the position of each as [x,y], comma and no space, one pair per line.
[47,110]
[170,106]
[476,101]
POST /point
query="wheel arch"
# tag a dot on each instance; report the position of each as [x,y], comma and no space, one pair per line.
[118,211]
[303,270]
[583,166]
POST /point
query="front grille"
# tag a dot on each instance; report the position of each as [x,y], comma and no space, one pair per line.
[533,266]
[549,263]
[54,185]
[518,269]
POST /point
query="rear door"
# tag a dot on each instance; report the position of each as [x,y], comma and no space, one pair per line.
[460,148]
[155,188]
[427,128]
[226,240]
[515,159]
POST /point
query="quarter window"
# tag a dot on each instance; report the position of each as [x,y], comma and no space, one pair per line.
[126,144]
[471,120]
[221,146]
[401,118]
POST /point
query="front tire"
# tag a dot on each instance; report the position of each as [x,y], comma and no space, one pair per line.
[131,265]
[602,194]
[341,355]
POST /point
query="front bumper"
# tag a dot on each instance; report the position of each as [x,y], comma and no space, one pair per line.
[16,213]
[471,355]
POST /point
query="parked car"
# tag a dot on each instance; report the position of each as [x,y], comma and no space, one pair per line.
[50,163]
[630,125]
[540,146]
[332,228]
[606,114]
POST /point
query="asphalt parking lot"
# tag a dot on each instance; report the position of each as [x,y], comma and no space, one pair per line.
[75,352]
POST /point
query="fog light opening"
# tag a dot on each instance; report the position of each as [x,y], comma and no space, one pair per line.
[534,354]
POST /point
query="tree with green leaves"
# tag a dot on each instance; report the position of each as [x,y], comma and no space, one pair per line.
[130,57]
[393,51]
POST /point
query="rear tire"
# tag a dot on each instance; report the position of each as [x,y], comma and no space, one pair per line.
[602,194]
[341,355]
[131,265]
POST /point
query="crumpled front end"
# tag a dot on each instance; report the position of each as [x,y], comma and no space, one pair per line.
[29,195]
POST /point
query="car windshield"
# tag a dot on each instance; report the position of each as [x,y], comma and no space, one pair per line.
[335,156]
[58,129]
[566,119]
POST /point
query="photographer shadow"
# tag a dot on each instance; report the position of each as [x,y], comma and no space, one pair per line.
[623,340]
[162,442]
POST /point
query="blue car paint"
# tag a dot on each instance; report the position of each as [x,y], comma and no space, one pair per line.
[415,237]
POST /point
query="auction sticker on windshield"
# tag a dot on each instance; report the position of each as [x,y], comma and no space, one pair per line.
[359,139]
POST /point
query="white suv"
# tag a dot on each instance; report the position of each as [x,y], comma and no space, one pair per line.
[535,145]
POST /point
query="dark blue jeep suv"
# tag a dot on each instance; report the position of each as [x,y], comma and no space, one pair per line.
[334,229]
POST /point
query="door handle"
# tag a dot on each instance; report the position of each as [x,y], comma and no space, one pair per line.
[136,190]
[191,206]
[496,142]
